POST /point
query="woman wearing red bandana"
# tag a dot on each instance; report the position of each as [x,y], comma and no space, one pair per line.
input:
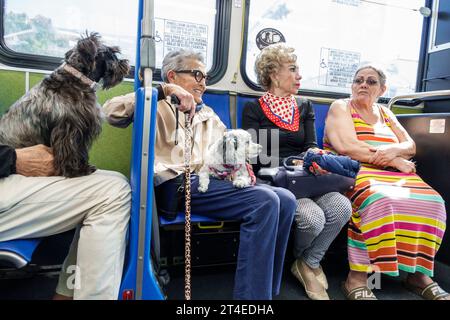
[289,122]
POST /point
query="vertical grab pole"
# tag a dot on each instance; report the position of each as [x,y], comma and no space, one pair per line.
[147,65]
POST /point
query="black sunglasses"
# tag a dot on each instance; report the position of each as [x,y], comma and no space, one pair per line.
[198,75]
[370,82]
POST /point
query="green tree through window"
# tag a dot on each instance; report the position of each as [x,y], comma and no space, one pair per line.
[34,35]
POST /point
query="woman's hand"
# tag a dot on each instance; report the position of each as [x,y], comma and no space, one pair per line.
[35,161]
[187,103]
[317,170]
[403,165]
[383,155]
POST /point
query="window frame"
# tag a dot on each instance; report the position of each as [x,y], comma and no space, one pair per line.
[16,59]
[338,95]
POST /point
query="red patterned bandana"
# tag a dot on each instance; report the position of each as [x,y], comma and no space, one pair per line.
[282,111]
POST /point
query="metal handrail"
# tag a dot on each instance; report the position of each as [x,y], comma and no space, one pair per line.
[418,95]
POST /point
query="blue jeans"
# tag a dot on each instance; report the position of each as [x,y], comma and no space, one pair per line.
[266,213]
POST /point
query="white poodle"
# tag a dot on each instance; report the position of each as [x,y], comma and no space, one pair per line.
[227,159]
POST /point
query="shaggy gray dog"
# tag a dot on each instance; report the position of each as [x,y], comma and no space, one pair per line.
[62,111]
[228,158]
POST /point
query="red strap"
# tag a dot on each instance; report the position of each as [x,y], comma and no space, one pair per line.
[251,174]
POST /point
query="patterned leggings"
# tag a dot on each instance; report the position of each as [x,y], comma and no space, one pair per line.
[318,221]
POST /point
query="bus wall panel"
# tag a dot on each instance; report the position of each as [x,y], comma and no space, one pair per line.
[433,160]
[11,89]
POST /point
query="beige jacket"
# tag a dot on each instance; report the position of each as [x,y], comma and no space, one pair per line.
[169,158]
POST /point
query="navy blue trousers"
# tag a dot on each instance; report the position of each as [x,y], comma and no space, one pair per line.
[266,213]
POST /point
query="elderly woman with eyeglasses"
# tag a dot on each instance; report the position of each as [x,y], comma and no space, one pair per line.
[398,220]
[290,130]
[266,212]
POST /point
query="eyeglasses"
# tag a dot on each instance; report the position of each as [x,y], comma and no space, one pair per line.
[369,81]
[198,75]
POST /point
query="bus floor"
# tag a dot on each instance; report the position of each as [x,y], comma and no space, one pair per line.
[216,283]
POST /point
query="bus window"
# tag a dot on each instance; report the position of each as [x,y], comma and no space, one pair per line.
[180,24]
[45,30]
[50,28]
[334,37]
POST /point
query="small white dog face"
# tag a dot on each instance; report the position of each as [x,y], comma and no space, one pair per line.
[236,147]
[227,159]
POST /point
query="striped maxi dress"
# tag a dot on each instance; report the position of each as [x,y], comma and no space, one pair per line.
[398,220]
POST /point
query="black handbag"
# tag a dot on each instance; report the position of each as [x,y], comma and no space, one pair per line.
[304,184]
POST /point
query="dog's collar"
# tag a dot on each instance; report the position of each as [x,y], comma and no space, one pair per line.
[77,74]
[228,172]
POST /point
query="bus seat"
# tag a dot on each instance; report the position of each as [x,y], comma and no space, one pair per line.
[195,218]
[320,111]
[240,104]
[220,103]
[17,253]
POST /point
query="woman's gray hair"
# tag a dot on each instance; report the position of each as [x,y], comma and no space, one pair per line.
[269,62]
[381,74]
[178,60]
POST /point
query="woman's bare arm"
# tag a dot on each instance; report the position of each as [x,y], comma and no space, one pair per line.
[340,130]
[405,149]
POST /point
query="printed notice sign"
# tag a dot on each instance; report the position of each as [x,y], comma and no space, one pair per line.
[437,126]
[337,67]
[175,35]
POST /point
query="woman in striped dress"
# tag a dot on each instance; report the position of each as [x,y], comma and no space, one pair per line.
[398,220]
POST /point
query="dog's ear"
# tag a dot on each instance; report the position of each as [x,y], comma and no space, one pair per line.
[230,145]
[110,68]
[82,56]
[242,146]
[115,71]
[87,47]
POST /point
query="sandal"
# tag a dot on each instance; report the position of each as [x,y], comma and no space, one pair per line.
[359,293]
[431,292]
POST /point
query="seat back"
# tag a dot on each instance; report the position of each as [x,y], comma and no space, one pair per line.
[220,103]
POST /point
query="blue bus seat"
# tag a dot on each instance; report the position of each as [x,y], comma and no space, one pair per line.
[240,104]
[320,111]
[195,218]
[220,103]
[17,253]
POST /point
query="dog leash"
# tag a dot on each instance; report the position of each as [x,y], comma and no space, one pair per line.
[187,195]
[187,192]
